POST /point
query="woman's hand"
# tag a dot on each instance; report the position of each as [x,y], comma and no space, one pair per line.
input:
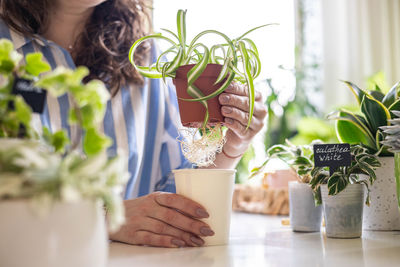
[163,220]
[235,109]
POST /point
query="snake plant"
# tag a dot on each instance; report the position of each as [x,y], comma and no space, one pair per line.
[376,110]
[239,58]
[362,163]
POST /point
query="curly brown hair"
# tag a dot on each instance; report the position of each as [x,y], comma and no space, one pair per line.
[104,44]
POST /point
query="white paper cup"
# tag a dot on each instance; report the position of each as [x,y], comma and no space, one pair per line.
[212,188]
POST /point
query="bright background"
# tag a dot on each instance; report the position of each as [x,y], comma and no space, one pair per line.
[317,44]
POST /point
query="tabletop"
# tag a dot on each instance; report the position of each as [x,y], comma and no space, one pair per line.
[262,240]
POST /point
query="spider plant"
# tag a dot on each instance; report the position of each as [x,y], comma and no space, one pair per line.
[239,58]
[364,127]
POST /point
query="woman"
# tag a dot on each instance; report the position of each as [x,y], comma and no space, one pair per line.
[140,117]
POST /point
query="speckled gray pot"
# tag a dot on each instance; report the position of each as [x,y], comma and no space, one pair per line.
[383,213]
[343,212]
[304,216]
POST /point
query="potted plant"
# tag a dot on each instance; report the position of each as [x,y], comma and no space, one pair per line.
[53,198]
[342,193]
[201,73]
[305,216]
[376,110]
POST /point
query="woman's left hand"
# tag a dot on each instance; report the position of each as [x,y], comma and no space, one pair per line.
[235,109]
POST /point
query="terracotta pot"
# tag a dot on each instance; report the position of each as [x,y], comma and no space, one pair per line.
[192,113]
[279,178]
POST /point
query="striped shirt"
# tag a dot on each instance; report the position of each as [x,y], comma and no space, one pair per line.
[141,121]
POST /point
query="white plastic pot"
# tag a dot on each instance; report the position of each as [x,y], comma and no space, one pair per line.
[70,234]
[383,213]
[212,188]
[343,212]
[304,215]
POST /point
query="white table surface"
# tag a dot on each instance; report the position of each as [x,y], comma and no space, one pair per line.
[260,240]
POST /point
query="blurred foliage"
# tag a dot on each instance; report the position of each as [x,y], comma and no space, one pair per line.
[286,120]
[242,169]
[378,80]
[310,129]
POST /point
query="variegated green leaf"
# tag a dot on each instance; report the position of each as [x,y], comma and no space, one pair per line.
[391,96]
[375,112]
[336,183]
[181,25]
[351,129]
[253,29]
[249,79]
[358,93]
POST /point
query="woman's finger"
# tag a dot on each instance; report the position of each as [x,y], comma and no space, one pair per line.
[242,117]
[151,239]
[181,221]
[241,102]
[241,90]
[236,127]
[162,228]
[181,203]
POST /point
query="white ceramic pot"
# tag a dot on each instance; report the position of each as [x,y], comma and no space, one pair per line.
[71,234]
[212,188]
[383,213]
[343,212]
[304,215]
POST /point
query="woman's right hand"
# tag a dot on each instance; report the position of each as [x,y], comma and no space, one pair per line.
[163,220]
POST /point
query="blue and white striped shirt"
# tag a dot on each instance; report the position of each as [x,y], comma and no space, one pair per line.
[141,121]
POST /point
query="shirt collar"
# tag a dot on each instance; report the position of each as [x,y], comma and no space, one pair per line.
[20,40]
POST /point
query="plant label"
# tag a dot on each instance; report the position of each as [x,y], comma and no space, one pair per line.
[33,96]
[332,156]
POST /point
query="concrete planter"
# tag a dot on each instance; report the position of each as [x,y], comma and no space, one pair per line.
[344,211]
[383,213]
[304,215]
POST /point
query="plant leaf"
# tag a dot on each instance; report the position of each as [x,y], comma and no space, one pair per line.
[336,183]
[35,65]
[375,112]
[94,142]
[253,29]
[377,95]
[9,58]
[249,79]
[391,96]
[153,73]
[358,93]
[181,27]
[351,129]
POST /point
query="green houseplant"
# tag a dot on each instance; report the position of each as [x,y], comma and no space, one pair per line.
[305,216]
[342,192]
[238,58]
[45,182]
[200,73]
[376,110]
